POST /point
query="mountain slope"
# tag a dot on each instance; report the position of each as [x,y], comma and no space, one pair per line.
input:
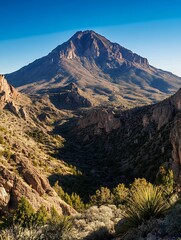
[110,147]
[105,71]
[26,149]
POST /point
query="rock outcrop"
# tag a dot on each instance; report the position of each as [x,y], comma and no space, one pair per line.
[165,111]
[9,98]
[70,97]
[32,185]
[100,119]
[33,177]
[7,92]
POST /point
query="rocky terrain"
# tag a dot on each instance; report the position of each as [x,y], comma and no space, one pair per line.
[77,137]
[113,145]
[21,151]
[106,72]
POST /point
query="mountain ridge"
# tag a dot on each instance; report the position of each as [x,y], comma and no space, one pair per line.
[107,72]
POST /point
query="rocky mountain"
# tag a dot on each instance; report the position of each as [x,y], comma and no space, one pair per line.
[106,73]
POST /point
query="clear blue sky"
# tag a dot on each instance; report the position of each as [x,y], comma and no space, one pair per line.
[31,29]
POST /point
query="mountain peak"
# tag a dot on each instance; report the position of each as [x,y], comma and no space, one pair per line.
[81,33]
[104,70]
[89,44]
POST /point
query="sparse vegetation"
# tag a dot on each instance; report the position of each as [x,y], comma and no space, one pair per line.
[73,199]
[145,201]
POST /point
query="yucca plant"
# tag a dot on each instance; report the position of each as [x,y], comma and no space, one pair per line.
[145,201]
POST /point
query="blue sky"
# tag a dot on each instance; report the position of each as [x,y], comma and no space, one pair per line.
[31,29]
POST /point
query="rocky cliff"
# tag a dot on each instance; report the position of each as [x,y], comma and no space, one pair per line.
[29,183]
[101,119]
[12,100]
[7,92]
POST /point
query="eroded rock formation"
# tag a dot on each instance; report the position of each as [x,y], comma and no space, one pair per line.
[30,184]
[100,119]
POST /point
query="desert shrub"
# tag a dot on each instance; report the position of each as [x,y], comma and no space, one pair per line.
[24,215]
[165,179]
[54,217]
[96,222]
[17,232]
[56,231]
[145,201]
[37,135]
[59,190]
[59,230]
[41,216]
[73,199]
[77,202]
[101,197]
[120,194]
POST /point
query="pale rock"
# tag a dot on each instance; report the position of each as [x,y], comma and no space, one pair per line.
[101,119]
[4,198]
[15,186]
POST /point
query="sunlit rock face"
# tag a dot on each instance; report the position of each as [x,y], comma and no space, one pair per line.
[7,92]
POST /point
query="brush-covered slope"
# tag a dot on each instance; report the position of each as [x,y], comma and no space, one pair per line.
[110,147]
[26,149]
[106,72]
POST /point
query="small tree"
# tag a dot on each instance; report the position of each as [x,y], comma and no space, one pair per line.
[59,190]
[55,217]
[41,216]
[77,202]
[73,200]
[24,214]
[120,194]
[165,179]
[102,196]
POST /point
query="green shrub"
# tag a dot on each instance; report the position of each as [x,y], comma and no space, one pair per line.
[145,202]
[77,202]
[55,217]
[41,216]
[24,214]
[165,179]
[120,194]
[102,196]
[58,230]
[73,200]
[59,190]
